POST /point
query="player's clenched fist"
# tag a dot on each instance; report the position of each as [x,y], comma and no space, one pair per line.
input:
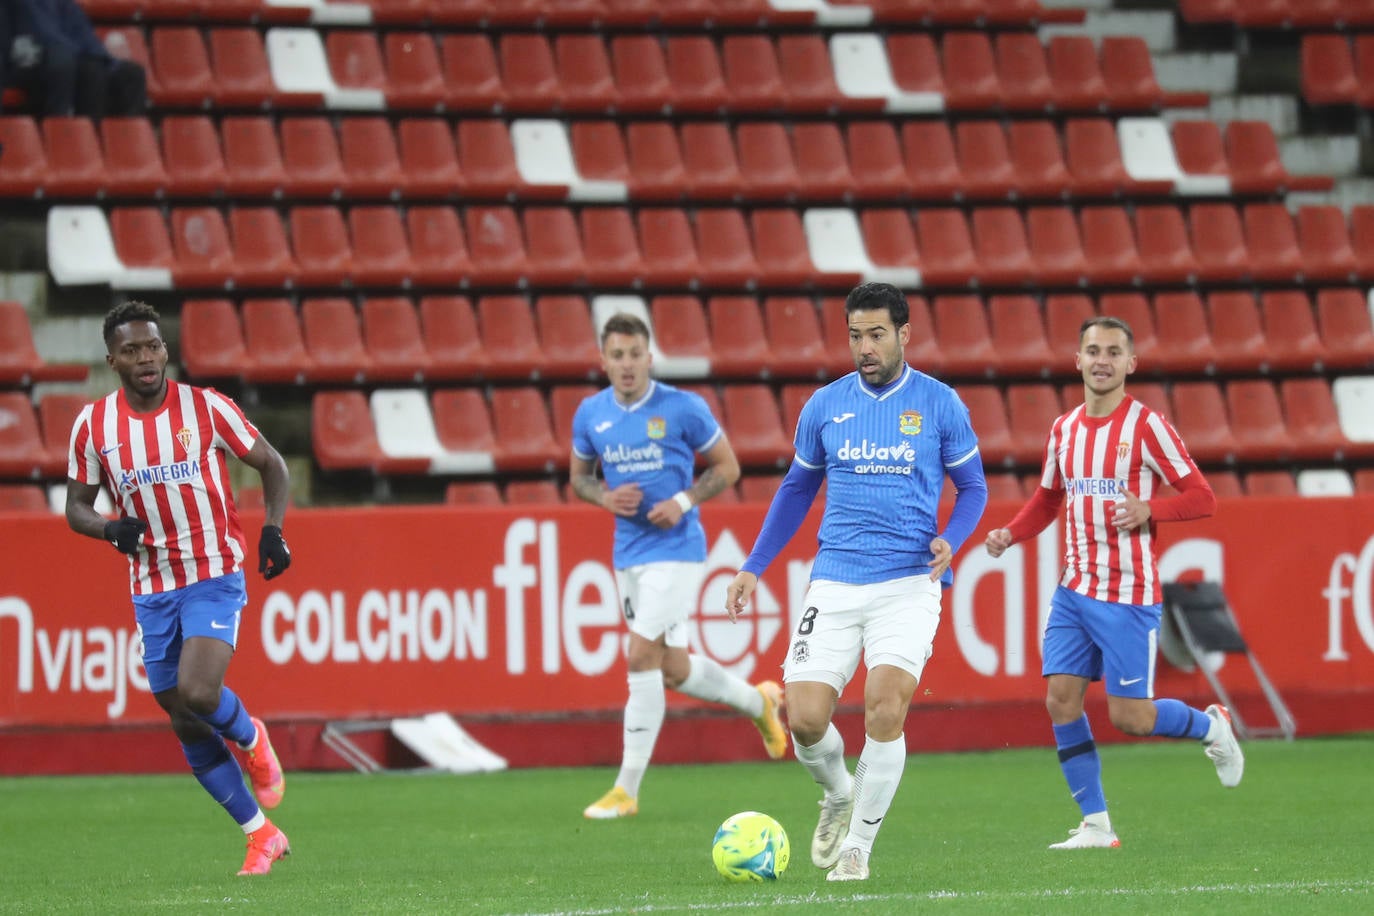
[999,539]
[273,554]
[126,534]
[739,592]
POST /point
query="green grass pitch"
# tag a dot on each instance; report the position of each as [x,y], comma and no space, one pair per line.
[967,834]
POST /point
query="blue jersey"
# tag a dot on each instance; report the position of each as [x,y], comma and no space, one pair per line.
[654,443]
[884,454]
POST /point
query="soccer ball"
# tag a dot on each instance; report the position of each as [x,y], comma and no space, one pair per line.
[750,846]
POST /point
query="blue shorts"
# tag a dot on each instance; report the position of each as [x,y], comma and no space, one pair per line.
[210,607]
[1103,640]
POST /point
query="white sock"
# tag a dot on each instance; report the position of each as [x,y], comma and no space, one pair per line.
[643,719]
[876,777]
[824,760]
[708,681]
[1099,819]
[1213,730]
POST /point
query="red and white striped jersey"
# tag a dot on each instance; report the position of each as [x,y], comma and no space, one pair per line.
[168,468]
[1091,459]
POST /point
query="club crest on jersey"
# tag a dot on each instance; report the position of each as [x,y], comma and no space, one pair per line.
[658,427]
[184,437]
[909,422]
[1123,448]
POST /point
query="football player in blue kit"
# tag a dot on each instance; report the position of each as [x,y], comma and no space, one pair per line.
[882,439]
[646,437]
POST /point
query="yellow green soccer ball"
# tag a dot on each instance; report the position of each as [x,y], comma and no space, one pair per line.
[750,846]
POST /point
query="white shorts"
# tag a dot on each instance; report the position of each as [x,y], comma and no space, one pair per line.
[657,598]
[891,623]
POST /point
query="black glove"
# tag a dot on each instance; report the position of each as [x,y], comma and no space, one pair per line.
[272,549]
[126,534]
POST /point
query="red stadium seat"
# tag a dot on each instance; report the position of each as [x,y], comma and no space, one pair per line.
[242,73]
[471,75]
[355,59]
[182,68]
[524,431]
[822,165]
[438,247]
[1165,253]
[808,75]
[988,413]
[759,488]
[1237,332]
[1018,337]
[1271,242]
[508,329]
[1362,239]
[1218,242]
[76,167]
[739,342]
[393,340]
[200,241]
[563,403]
[890,237]
[724,249]
[1093,154]
[495,246]
[528,73]
[984,159]
[1291,330]
[752,76]
[708,154]
[1023,72]
[381,255]
[414,72]
[794,334]
[835,333]
[695,73]
[194,160]
[1055,246]
[533,492]
[946,247]
[641,74]
[1328,70]
[1128,74]
[584,73]
[262,255]
[567,337]
[965,338]
[657,170]
[1253,153]
[1324,244]
[342,434]
[1109,246]
[1037,158]
[1199,414]
[57,413]
[781,249]
[462,420]
[680,326]
[1151,394]
[598,151]
[1134,309]
[1076,74]
[1185,344]
[451,337]
[665,238]
[472,493]
[23,166]
[22,497]
[1257,421]
[1001,247]
[371,160]
[1271,484]
[1064,317]
[970,71]
[20,362]
[133,165]
[876,160]
[252,157]
[272,335]
[554,248]
[310,153]
[22,453]
[610,247]
[1225,484]
[1344,318]
[141,238]
[1312,423]
[1031,411]
[767,169]
[319,240]
[754,424]
[1199,148]
[334,341]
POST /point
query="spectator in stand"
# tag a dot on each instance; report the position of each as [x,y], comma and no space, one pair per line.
[52,53]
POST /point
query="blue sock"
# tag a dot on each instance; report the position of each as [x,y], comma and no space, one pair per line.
[1176,719]
[1081,765]
[230,719]
[218,772]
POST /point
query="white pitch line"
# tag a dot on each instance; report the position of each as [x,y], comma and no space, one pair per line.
[1348,887]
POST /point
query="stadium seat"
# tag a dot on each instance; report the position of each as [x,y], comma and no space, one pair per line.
[680,329]
[1128,74]
[1253,154]
[407,438]
[1201,157]
[414,72]
[334,340]
[253,160]
[752,78]
[1023,72]
[641,74]
[22,497]
[381,255]
[371,160]
[1037,158]
[472,493]
[822,165]
[554,249]
[141,241]
[1324,244]
[1314,426]
[1134,309]
[599,153]
[1270,484]
[355,59]
[889,238]
[1362,239]
[1076,74]
[452,338]
[1004,488]
[1225,484]
[508,329]
[610,247]
[57,413]
[1031,411]
[1165,253]
[1271,243]
[1290,328]
[524,431]
[495,246]
[319,241]
[708,156]
[1185,344]
[342,435]
[23,166]
[1354,396]
[808,76]
[1151,394]
[1001,247]
[984,160]
[1093,155]
[470,73]
[1056,250]
[194,161]
[794,334]
[1344,318]
[311,156]
[200,243]
[1064,316]
[969,69]
[1018,337]
[965,338]
[22,453]
[1364,481]
[533,493]
[76,167]
[665,239]
[133,165]
[438,248]
[946,246]
[724,249]
[739,342]
[127,43]
[393,341]
[657,168]
[1257,421]
[767,169]
[462,422]
[563,403]
[781,249]
[988,414]
[1237,332]
[1327,66]
[486,157]
[754,424]
[182,67]
[793,398]
[1198,412]
[20,362]
[757,488]
[272,337]
[931,164]
[1325,482]
[262,256]
[242,74]
[1109,246]
[567,338]
[528,73]
[584,73]
[695,73]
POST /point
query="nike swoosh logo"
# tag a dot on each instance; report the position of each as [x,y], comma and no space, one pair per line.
[1126,683]
[1079,792]
[872,822]
[219,626]
[112,448]
[841,418]
[602,427]
[636,729]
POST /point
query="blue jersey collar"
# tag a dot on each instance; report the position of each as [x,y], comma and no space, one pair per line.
[886,391]
[644,398]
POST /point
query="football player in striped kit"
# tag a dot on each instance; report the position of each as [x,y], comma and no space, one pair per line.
[1107,459]
[159,446]
[883,439]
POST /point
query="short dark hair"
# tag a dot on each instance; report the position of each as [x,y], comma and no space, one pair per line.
[879,296]
[126,312]
[624,323]
[1110,323]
